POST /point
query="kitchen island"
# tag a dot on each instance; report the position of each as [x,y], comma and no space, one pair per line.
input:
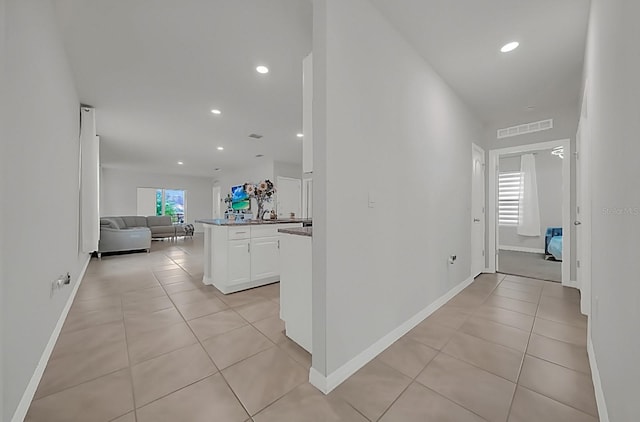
[295,284]
[242,254]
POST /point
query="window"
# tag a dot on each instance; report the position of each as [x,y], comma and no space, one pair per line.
[509,198]
[171,202]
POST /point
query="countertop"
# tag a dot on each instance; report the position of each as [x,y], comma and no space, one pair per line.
[224,222]
[300,231]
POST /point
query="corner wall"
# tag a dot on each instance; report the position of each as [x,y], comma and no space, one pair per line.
[387,128]
[40,166]
[611,74]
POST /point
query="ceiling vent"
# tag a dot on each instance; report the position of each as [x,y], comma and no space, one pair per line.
[255,136]
[525,128]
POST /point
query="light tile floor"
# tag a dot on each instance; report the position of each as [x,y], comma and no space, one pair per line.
[145,340]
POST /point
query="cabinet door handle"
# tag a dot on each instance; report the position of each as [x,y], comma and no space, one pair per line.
[278,243]
[248,247]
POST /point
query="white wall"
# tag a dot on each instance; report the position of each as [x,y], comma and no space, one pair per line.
[40,191]
[384,122]
[119,192]
[282,169]
[612,69]
[549,179]
[3,105]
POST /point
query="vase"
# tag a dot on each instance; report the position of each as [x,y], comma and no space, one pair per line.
[260,211]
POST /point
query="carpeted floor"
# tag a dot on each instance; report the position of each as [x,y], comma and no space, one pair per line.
[528,264]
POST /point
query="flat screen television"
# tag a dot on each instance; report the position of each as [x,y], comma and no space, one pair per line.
[239,198]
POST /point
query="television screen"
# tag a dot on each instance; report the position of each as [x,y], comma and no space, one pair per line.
[239,198]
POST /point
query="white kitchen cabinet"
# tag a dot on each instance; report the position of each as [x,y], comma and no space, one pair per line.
[307,107]
[239,261]
[265,257]
[241,256]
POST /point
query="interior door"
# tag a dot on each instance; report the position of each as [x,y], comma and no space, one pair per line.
[217,202]
[583,212]
[477,211]
[289,197]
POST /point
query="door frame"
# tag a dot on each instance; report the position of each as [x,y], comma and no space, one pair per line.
[494,156]
[583,207]
[477,148]
[306,198]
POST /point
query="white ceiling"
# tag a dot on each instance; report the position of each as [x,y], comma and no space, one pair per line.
[461,39]
[155,68]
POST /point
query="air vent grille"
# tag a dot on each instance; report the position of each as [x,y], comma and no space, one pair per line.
[255,136]
[525,128]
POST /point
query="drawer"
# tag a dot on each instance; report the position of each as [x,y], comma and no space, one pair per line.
[237,233]
[266,230]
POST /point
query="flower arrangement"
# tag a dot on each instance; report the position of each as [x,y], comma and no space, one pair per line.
[262,192]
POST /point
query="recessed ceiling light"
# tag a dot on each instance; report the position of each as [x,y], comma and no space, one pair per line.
[220,148]
[510,46]
[180,163]
[216,111]
[262,69]
[299,135]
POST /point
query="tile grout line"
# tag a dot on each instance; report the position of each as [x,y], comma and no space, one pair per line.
[209,356]
[524,356]
[130,366]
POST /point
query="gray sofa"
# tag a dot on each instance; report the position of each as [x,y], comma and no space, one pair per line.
[129,233]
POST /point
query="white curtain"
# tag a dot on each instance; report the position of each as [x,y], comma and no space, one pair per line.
[528,209]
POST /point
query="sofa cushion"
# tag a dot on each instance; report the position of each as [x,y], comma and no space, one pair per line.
[116,222]
[109,223]
[158,220]
[135,221]
[162,231]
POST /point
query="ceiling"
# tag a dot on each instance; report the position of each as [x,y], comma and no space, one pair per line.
[461,39]
[155,68]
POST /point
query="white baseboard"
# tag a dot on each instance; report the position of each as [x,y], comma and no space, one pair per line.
[488,271]
[520,249]
[30,391]
[327,383]
[571,283]
[597,383]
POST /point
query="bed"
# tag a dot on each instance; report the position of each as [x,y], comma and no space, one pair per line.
[553,243]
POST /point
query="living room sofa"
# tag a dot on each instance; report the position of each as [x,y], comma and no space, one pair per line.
[129,233]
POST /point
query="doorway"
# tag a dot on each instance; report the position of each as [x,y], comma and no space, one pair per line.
[477,210]
[529,228]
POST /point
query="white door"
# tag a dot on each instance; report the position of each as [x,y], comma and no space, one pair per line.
[239,262]
[477,211]
[289,197]
[217,202]
[265,257]
[307,198]
[583,212]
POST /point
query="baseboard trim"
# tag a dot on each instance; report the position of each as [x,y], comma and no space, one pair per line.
[597,382]
[30,391]
[488,271]
[570,283]
[520,249]
[327,383]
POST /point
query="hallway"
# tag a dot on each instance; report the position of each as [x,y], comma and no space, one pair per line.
[146,341]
